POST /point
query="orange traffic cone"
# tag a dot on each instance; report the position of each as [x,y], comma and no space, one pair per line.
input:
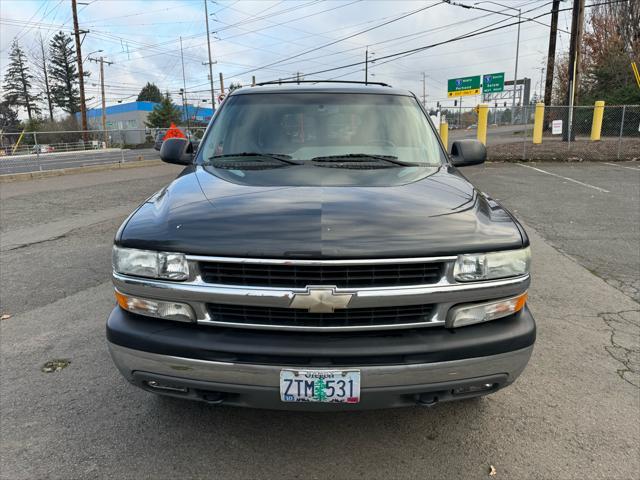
[173,132]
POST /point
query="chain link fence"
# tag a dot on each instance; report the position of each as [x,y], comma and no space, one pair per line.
[566,136]
[511,137]
[36,151]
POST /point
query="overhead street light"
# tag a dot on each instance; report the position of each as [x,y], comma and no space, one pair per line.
[91,53]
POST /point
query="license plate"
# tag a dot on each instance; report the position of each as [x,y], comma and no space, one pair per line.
[328,386]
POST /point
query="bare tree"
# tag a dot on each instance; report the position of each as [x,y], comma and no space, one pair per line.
[610,43]
[42,75]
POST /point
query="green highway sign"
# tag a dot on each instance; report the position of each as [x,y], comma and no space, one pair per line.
[458,87]
[493,82]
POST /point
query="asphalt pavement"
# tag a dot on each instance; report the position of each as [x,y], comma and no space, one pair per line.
[572,414]
[587,210]
[56,160]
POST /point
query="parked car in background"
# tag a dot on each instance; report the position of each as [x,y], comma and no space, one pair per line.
[42,149]
[157,144]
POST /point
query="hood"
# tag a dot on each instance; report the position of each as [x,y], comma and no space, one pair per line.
[201,213]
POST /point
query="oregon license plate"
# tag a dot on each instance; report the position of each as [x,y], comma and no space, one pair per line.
[330,386]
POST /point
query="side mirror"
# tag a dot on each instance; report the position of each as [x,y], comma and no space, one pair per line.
[176,150]
[468,152]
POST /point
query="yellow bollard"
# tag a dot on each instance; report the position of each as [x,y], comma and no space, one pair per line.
[596,125]
[538,123]
[444,134]
[483,116]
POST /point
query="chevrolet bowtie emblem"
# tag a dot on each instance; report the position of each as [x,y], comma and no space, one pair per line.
[320,300]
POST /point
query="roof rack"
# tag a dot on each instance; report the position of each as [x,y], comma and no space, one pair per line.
[280,82]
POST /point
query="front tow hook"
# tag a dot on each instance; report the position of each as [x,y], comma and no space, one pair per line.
[213,398]
[427,400]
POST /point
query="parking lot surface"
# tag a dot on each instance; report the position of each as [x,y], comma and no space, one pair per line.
[572,414]
[590,211]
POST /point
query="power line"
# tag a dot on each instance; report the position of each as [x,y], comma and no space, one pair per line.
[415,35]
[242,22]
[287,22]
[501,12]
[423,33]
[136,14]
[273,14]
[109,37]
[444,42]
[300,54]
[17,36]
[173,41]
[444,27]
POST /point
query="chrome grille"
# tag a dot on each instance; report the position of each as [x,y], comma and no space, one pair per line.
[290,317]
[342,276]
[263,293]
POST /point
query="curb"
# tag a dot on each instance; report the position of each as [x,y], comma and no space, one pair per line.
[18,177]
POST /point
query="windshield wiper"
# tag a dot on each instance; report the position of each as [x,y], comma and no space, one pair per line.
[364,157]
[281,157]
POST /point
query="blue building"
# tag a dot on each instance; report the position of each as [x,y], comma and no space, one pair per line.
[133,115]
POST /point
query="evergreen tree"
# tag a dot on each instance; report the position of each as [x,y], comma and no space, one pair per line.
[164,114]
[63,72]
[150,93]
[8,117]
[17,82]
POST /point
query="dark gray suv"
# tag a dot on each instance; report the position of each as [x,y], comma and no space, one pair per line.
[321,250]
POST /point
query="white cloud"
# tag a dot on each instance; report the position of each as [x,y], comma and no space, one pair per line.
[125,30]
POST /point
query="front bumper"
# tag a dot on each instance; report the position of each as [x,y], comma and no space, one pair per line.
[242,368]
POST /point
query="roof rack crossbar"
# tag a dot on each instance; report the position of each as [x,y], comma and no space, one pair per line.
[280,82]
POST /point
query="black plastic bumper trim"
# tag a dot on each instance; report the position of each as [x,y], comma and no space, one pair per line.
[301,348]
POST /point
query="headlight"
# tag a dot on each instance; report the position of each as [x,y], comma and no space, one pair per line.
[147,263]
[486,266]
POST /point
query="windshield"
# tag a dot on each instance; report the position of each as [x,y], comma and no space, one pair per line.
[337,130]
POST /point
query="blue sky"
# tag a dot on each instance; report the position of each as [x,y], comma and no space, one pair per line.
[142,38]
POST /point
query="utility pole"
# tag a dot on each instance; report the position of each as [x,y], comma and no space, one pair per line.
[210,63]
[83,106]
[184,91]
[577,18]
[46,79]
[221,77]
[515,75]
[424,91]
[102,61]
[366,65]
[551,57]
[541,86]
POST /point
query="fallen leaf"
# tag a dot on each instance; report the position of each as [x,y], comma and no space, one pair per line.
[492,471]
[5,316]
[55,365]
